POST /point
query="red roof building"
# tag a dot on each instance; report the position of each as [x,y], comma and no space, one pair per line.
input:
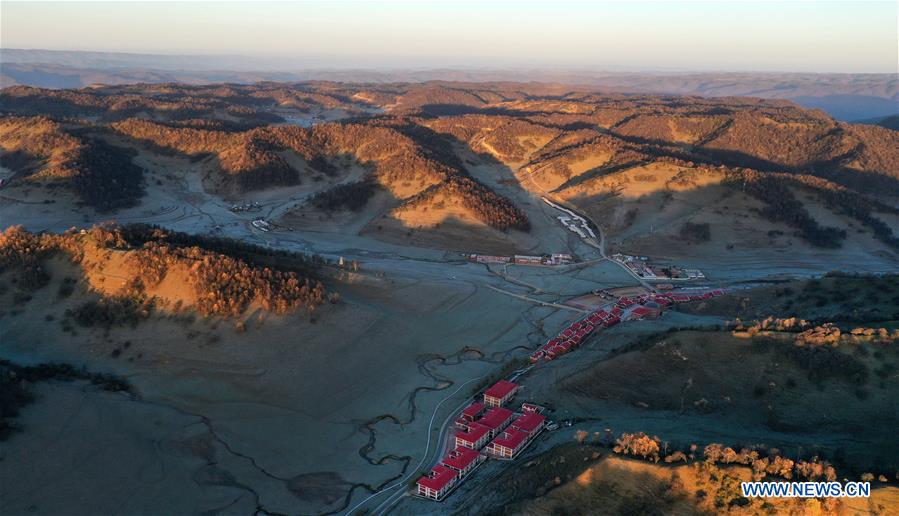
[463,460]
[472,411]
[531,424]
[496,419]
[475,438]
[508,444]
[641,312]
[501,392]
[436,483]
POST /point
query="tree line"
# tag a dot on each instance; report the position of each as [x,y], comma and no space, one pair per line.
[226,275]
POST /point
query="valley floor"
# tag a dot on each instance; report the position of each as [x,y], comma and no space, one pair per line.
[315,417]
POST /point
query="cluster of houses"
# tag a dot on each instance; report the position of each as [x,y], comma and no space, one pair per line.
[641,267]
[484,429]
[521,259]
[574,335]
[488,429]
[247,206]
[639,307]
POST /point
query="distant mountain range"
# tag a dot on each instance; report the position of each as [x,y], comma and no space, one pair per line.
[850,97]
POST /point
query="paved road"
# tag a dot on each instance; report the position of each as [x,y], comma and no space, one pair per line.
[425,458]
[537,301]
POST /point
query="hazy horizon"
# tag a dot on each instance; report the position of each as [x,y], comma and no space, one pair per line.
[802,37]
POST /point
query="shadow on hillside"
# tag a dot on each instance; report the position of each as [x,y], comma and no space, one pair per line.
[57,105]
[869,182]
[20,162]
[438,110]
[597,173]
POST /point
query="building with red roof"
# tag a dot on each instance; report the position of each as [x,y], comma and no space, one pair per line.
[501,392]
[496,419]
[663,301]
[508,444]
[462,460]
[475,437]
[472,411]
[641,312]
[530,423]
[437,482]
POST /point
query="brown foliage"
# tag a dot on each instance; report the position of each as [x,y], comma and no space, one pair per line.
[225,285]
[639,444]
[101,174]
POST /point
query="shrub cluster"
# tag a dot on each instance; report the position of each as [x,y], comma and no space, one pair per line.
[695,233]
[350,196]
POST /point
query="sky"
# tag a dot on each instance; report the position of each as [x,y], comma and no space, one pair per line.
[629,36]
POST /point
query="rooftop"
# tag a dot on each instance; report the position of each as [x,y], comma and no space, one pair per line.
[529,422]
[640,311]
[511,438]
[495,417]
[473,410]
[501,389]
[438,478]
[460,458]
[475,432]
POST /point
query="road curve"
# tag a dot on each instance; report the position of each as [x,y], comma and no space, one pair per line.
[425,456]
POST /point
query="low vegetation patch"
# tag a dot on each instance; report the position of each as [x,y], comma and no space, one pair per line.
[694,233]
[351,196]
[16,383]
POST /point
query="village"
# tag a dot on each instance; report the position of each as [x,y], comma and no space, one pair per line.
[643,268]
[487,429]
[520,259]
